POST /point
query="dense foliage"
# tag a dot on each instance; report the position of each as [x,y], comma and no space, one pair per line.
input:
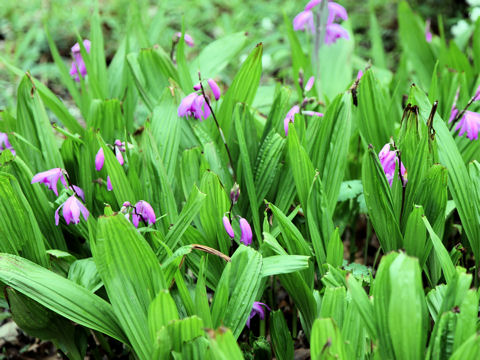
[174,203]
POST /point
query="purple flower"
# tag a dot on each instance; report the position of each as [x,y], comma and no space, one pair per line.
[336,11]
[99,159]
[257,309]
[143,211]
[215,89]
[109,184]
[389,160]
[72,208]
[290,117]
[246,230]
[197,87]
[312,113]
[5,144]
[50,178]
[194,105]
[428,33]
[188,39]
[334,32]
[310,82]
[311,4]
[304,20]
[359,74]
[228,227]
[78,65]
[469,123]
[78,190]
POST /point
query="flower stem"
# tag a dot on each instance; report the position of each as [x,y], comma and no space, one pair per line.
[230,164]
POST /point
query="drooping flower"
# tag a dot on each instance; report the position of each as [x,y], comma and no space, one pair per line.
[78,190]
[389,160]
[72,208]
[119,147]
[188,39]
[50,178]
[215,88]
[428,33]
[194,105]
[109,184]
[312,113]
[99,159]
[336,11]
[228,227]
[304,20]
[290,117]
[335,32]
[78,65]
[310,83]
[143,211]
[469,123]
[5,144]
[257,308]
[246,236]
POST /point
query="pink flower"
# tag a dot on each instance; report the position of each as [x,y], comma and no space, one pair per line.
[304,20]
[309,84]
[78,191]
[311,4]
[469,123]
[50,178]
[194,105]
[359,74]
[428,33]
[246,230]
[78,65]
[188,39]
[72,208]
[143,211]
[290,117]
[257,309]
[312,113]
[99,159]
[215,89]
[389,160]
[5,144]
[228,227]
[109,184]
[336,11]
[335,32]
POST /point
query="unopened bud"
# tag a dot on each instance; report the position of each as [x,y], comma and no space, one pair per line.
[235,193]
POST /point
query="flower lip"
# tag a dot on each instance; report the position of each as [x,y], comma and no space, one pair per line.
[71,210]
[50,178]
[143,211]
[257,308]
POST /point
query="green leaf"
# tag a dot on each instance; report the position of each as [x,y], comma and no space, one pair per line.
[84,272]
[161,312]
[378,198]
[372,122]
[326,341]
[214,57]
[334,304]
[60,295]
[283,264]
[247,267]
[281,337]
[132,277]
[223,346]
[242,89]
[335,250]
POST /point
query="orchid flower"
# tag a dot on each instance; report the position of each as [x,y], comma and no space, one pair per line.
[469,123]
[72,208]
[188,39]
[257,308]
[389,160]
[246,236]
[5,144]
[50,178]
[143,211]
[228,226]
[78,65]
